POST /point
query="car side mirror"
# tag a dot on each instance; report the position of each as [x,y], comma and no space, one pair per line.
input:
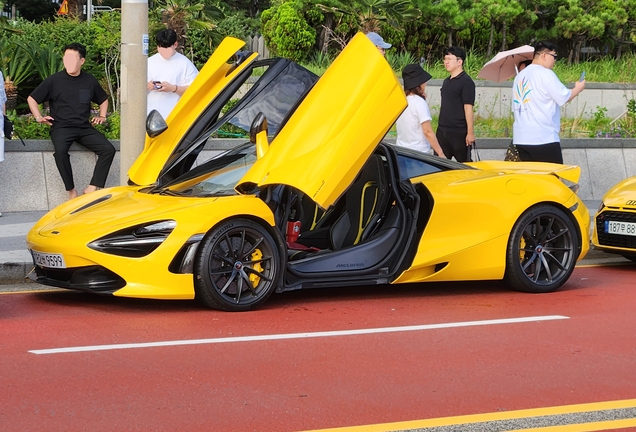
[258,135]
[155,124]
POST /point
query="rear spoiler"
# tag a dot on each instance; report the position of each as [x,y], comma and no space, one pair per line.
[571,173]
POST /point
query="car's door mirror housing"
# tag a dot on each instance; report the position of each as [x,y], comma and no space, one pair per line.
[155,124]
[258,135]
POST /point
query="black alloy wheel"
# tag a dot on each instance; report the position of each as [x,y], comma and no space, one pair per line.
[237,266]
[542,250]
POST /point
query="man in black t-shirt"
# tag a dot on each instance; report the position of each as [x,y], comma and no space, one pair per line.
[455,131]
[69,94]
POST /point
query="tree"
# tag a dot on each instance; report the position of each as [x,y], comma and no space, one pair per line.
[286,31]
[181,15]
[499,14]
[370,13]
[622,28]
[34,10]
[581,20]
[252,8]
[452,15]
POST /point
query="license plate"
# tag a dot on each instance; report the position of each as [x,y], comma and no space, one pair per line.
[48,259]
[622,228]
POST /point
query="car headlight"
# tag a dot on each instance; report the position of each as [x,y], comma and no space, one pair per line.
[601,207]
[135,242]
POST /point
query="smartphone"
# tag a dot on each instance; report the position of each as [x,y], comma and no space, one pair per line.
[582,76]
[157,84]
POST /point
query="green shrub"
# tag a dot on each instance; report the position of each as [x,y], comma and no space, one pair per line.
[26,127]
[287,32]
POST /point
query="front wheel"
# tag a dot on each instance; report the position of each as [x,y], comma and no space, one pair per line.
[542,250]
[237,266]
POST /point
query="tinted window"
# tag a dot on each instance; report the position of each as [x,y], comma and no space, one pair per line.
[410,167]
[282,93]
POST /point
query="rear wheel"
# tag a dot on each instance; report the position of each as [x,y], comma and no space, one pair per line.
[542,250]
[237,266]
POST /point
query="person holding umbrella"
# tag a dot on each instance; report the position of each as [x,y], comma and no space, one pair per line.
[414,128]
[537,97]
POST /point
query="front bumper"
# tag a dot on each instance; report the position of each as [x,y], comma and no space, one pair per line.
[95,279]
[614,243]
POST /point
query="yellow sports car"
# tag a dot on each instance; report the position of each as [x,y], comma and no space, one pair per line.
[615,221]
[323,203]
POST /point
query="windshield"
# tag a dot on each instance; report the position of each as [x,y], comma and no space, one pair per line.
[216,177]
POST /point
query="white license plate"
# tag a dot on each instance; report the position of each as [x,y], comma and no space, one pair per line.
[48,259]
[623,228]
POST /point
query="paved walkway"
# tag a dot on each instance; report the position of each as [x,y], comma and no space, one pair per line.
[15,260]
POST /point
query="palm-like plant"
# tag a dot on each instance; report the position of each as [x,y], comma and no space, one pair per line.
[45,59]
[181,15]
[16,66]
[370,13]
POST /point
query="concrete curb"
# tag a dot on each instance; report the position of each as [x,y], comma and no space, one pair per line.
[14,273]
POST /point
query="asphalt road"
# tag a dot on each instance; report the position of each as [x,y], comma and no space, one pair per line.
[460,356]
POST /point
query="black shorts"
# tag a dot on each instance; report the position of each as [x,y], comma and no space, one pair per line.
[540,153]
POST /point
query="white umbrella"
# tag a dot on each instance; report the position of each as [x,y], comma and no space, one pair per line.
[503,66]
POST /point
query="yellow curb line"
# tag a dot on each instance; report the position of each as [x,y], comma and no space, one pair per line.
[496,416]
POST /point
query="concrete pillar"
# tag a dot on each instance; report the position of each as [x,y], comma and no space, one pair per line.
[134,64]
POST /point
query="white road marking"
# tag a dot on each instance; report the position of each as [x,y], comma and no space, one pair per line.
[297,335]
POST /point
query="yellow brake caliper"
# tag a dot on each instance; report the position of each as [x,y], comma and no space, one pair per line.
[256,256]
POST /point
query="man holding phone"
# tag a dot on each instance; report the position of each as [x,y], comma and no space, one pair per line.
[537,98]
[170,73]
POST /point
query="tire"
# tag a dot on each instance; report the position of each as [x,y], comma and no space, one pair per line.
[237,266]
[542,250]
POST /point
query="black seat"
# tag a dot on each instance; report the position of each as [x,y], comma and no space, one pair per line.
[364,203]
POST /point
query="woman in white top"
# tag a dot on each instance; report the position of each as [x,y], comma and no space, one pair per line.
[414,128]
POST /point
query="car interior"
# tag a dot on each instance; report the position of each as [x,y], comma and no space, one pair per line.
[358,232]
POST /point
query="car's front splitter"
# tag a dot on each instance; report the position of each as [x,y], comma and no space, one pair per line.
[95,279]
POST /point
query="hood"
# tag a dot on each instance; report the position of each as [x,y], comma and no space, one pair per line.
[213,78]
[332,133]
[94,215]
[622,195]
[571,173]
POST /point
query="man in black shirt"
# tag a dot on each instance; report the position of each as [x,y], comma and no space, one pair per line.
[69,94]
[455,130]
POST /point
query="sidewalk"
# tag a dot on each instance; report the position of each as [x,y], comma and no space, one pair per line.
[15,260]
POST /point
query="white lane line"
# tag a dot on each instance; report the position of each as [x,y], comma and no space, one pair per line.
[297,335]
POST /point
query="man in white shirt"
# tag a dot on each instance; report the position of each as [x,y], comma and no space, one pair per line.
[537,97]
[170,73]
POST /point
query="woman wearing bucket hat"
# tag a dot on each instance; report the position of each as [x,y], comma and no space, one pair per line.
[414,128]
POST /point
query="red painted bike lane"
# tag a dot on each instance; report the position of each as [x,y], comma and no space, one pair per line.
[310,383]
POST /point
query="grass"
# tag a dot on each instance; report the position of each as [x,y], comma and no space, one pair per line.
[597,70]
